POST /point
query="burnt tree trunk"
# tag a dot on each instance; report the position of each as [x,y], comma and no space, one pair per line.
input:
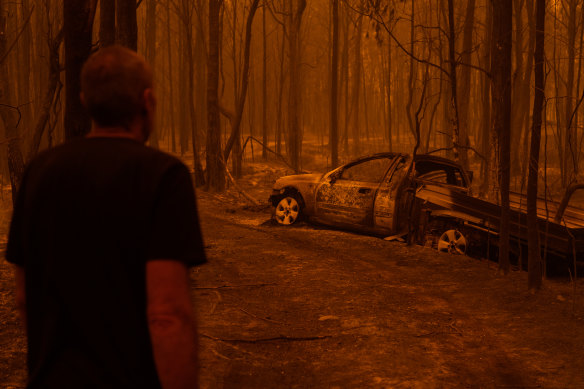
[171,79]
[187,19]
[334,102]
[294,100]
[9,114]
[534,263]
[151,56]
[464,85]
[107,22]
[501,96]
[570,139]
[356,87]
[77,23]
[127,31]
[460,153]
[215,163]
[485,126]
[241,97]
[282,80]
[264,86]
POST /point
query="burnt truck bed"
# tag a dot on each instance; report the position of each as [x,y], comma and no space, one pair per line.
[561,234]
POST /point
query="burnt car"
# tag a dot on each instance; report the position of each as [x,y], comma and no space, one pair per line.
[373,194]
[478,221]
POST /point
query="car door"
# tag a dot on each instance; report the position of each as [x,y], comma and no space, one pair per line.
[346,196]
[384,206]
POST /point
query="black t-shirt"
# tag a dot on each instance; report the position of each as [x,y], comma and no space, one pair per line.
[89,215]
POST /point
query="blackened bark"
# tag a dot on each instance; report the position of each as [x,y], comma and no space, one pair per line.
[534,263]
[264,86]
[294,101]
[107,22]
[464,89]
[50,96]
[9,115]
[170,77]
[127,31]
[485,126]
[151,56]
[215,163]
[240,99]
[77,23]
[460,154]
[501,95]
[334,132]
[281,82]
[356,87]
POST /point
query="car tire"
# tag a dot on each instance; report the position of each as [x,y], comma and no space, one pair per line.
[453,242]
[288,209]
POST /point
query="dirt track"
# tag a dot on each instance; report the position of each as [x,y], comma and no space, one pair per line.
[308,307]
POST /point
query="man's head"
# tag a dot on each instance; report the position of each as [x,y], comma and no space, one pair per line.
[116,88]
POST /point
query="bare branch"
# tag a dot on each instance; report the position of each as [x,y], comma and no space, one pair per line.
[378,19]
[17,109]
[478,154]
[226,112]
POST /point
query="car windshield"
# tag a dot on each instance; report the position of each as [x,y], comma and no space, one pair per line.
[371,170]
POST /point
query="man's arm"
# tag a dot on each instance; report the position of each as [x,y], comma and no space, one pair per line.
[172,325]
[20,293]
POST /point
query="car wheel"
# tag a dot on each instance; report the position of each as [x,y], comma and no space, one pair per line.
[288,210]
[453,242]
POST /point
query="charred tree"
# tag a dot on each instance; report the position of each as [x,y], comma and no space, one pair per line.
[170,77]
[186,17]
[345,80]
[51,95]
[77,23]
[127,31]
[534,263]
[464,85]
[9,114]
[264,85]
[235,118]
[356,87]
[294,99]
[281,81]
[215,162]
[334,100]
[501,105]
[570,138]
[107,22]
[485,126]
[460,153]
[151,54]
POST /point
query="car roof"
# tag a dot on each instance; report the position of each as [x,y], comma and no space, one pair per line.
[419,157]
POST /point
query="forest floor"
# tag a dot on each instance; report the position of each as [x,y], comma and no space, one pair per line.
[310,307]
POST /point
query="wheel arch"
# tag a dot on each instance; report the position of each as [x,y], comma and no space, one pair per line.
[287,191]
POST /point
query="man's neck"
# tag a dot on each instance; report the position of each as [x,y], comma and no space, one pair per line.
[115,132]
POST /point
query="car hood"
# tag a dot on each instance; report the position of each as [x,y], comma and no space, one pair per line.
[297,179]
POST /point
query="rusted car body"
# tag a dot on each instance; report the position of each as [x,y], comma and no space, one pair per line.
[427,199]
[372,194]
[561,224]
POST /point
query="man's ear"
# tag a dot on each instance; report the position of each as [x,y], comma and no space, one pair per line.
[149,100]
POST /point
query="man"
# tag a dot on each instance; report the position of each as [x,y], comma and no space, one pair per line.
[103,232]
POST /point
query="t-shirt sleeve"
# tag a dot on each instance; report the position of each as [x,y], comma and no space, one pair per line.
[175,231]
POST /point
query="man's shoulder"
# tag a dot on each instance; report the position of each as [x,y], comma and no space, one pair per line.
[108,147]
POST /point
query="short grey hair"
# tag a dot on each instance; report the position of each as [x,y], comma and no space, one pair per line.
[113,81]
